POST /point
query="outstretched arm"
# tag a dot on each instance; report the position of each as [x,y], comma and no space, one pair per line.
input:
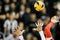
[39,29]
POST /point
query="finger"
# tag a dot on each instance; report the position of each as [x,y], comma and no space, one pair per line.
[36,24]
[41,24]
[23,31]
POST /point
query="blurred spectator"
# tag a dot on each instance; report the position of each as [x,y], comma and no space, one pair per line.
[10,24]
[50,9]
[58,5]
[23,2]
[8,36]
[6,1]
[26,16]
[58,13]
[44,11]
[2,18]
[7,14]
[35,38]
[16,15]
[46,21]
[21,25]
[32,21]
[1,2]
[44,14]
[2,36]
[12,7]
[6,5]
[14,1]
[55,6]
[28,10]
[29,36]
[33,17]
[21,12]
[1,10]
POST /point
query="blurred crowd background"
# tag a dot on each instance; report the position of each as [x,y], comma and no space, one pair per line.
[24,13]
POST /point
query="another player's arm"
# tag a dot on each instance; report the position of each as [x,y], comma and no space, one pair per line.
[48,27]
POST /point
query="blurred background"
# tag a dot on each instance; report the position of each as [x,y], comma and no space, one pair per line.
[25,15]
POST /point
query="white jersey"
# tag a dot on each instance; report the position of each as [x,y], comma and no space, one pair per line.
[9,37]
[42,35]
[10,25]
[20,37]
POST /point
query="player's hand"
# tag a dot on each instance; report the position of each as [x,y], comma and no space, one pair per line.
[18,33]
[39,27]
[54,19]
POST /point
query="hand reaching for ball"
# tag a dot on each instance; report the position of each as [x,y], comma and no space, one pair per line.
[39,27]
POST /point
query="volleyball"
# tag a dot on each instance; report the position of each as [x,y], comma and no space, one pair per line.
[39,6]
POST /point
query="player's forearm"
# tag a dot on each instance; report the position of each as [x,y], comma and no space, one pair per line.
[42,35]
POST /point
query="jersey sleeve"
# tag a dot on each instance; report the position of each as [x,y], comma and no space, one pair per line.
[47,30]
[42,35]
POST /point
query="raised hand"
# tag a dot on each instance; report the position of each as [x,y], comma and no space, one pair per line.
[18,32]
[39,25]
[39,29]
